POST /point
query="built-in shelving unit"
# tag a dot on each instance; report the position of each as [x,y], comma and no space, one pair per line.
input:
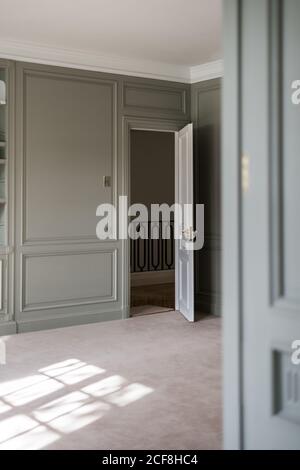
[3,153]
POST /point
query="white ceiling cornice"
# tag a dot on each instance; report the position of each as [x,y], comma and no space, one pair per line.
[207,71]
[42,54]
[30,52]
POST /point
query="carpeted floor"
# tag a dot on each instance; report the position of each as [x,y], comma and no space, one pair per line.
[151,382]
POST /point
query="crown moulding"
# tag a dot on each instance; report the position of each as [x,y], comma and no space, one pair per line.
[42,54]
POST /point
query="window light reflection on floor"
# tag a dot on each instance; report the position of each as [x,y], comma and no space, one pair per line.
[39,409]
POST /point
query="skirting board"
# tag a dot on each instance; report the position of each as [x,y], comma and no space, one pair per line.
[8,328]
[152,277]
[208,303]
[26,326]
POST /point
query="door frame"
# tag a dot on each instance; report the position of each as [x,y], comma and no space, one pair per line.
[232,262]
[129,124]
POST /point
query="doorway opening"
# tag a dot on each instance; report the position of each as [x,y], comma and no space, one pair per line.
[152,261]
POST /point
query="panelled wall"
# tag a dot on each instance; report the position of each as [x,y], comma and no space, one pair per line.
[7,233]
[66,141]
[206,115]
[67,130]
[71,130]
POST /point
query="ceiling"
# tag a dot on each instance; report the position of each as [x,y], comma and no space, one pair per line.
[170,36]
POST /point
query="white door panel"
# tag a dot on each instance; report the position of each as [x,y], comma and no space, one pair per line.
[184,197]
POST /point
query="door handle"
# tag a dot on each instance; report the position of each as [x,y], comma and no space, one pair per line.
[189,233]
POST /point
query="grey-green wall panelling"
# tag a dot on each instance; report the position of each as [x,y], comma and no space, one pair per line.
[66,143]
[206,114]
[155,98]
[71,126]
[7,320]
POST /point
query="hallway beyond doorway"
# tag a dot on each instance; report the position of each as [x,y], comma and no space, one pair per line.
[159,298]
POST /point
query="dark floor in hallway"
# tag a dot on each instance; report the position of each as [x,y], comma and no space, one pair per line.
[162,295]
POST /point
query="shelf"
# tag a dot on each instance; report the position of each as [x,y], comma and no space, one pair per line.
[2,144]
[2,201]
[3,161]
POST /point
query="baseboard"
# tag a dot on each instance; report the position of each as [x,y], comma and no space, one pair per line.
[8,328]
[152,278]
[25,326]
[208,303]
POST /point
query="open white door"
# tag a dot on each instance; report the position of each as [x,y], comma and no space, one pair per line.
[184,197]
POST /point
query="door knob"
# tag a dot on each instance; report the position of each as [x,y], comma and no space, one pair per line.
[189,233]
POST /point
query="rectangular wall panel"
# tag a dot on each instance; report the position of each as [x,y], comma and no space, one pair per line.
[68,146]
[158,99]
[51,280]
[206,114]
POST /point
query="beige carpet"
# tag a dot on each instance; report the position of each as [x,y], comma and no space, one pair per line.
[151,382]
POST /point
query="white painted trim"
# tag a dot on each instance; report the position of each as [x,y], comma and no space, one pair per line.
[208,71]
[151,278]
[87,60]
